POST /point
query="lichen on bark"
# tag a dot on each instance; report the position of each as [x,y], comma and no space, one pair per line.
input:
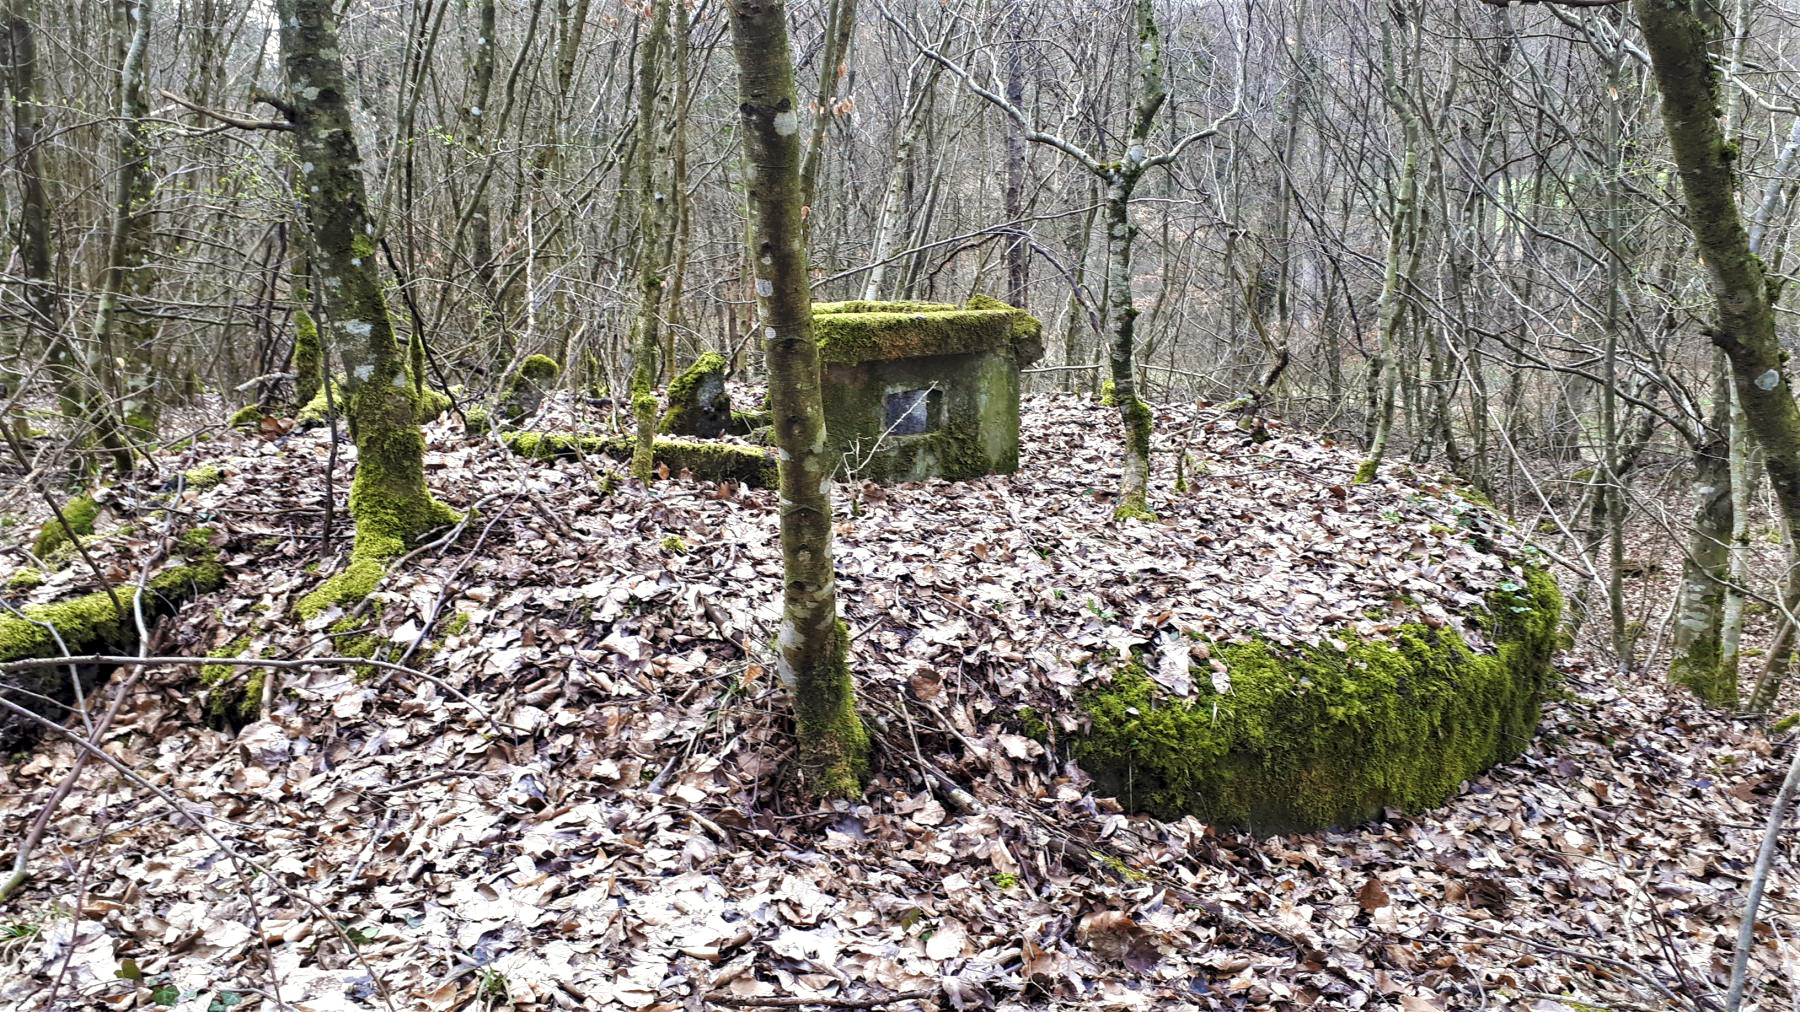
[813,647]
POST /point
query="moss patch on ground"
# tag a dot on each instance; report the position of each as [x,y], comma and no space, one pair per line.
[233,692]
[745,465]
[80,512]
[1320,737]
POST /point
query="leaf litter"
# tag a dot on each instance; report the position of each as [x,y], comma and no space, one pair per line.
[584,804]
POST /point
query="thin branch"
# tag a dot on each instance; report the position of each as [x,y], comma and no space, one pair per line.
[242,122]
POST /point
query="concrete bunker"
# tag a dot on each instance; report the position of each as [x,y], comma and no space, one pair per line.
[918,390]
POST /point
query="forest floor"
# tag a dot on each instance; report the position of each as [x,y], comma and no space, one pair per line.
[576,797]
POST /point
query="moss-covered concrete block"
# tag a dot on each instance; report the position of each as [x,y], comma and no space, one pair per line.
[1322,737]
[918,390]
[698,403]
[527,388]
[85,625]
[745,465]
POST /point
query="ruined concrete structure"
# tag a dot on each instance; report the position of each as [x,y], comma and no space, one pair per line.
[918,390]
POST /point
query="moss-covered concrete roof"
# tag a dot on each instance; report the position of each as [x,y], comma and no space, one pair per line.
[849,333]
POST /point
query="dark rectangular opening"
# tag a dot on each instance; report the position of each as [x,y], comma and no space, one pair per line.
[912,412]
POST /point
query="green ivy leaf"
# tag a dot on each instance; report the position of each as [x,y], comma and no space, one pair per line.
[166,994]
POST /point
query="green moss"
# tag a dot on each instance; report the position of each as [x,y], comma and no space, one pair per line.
[744,423]
[705,461]
[203,477]
[1109,394]
[1134,507]
[80,512]
[308,359]
[245,419]
[458,624]
[475,419]
[234,693]
[870,306]
[1032,723]
[432,403]
[526,388]
[429,404]
[1785,724]
[834,747]
[25,579]
[1125,872]
[1027,334]
[314,411]
[355,582]
[675,545]
[390,507]
[1320,737]
[539,369]
[1471,494]
[89,622]
[196,541]
[857,332]
[1365,473]
[698,404]
[1700,669]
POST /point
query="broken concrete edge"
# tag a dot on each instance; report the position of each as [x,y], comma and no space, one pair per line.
[745,465]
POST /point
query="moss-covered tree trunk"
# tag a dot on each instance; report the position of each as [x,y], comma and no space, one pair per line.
[652,146]
[1745,327]
[308,359]
[388,497]
[813,643]
[1121,179]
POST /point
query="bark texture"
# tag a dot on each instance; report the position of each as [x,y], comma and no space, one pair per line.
[1745,328]
[388,497]
[814,644]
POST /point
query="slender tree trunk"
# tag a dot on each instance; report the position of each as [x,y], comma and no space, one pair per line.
[1392,313]
[814,643]
[388,498]
[652,204]
[1745,328]
[127,250]
[892,213]
[1079,243]
[83,404]
[1696,651]
[1744,476]
[1018,257]
[481,225]
[1134,414]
